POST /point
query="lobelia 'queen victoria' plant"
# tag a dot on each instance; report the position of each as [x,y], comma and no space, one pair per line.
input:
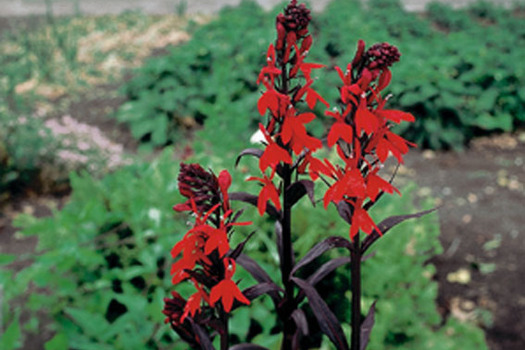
[361,135]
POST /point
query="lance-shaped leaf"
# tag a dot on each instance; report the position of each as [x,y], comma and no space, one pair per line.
[248,347]
[204,339]
[345,211]
[253,199]
[320,248]
[326,269]
[300,321]
[366,326]
[387,224]
[302,327]
[327,321]
[322,272]
[238,250]
[256,152]
[260,289]
[298,189]
[259,274]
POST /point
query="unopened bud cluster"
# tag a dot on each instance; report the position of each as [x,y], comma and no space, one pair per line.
[295,18]
[382,56]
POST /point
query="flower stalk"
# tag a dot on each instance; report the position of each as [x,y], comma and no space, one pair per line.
[361,136]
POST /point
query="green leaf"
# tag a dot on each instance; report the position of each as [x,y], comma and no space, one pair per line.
[58,342]
[91,323]
[11,338]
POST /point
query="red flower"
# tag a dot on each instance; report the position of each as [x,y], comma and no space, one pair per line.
[351,184]
[270,70]
[339,130]
[268,193]
[293,130]
[193,305]
[375,184]
[273,154]
[365,120]
[227,290]
[361,220]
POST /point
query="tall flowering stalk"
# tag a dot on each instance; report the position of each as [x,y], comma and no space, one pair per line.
[360,133]
[204,259]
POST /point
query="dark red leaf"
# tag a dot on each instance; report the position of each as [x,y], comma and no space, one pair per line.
[320,248]
[326,269]
[259,274]
[238,250]
[345,211]
[256,152]
[366,326]
[300,321]
[248,347]
[322,272]
[260,289]
[326,319]
[387,224]
[299,188]
[204,338]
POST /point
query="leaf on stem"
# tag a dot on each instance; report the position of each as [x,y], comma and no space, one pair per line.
[204,339]
[248,347]
[387,224]
[298,189]
[326,319]
[345,211]
[366,326]
[260,289]
[256,152]
[320,248]
[300,321]
[322,272]
[326,269]
[253,200]
[238,250]
[259,274]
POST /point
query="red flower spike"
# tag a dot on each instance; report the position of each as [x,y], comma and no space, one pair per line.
[227,290]
[268,193]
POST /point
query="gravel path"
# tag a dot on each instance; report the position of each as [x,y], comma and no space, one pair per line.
[15,8]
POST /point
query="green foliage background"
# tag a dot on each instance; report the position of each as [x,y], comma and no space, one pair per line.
[460,73]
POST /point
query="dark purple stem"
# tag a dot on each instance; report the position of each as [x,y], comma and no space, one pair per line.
[355,267]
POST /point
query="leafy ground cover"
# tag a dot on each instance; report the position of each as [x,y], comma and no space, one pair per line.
[464,76]
[120,219]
